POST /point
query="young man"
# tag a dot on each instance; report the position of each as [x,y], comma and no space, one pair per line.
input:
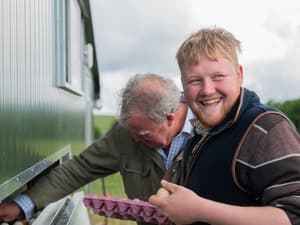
[242,166]
[145,149]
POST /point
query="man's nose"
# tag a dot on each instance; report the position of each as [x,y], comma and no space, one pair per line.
[208,87]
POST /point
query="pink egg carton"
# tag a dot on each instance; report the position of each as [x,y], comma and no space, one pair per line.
[125,209]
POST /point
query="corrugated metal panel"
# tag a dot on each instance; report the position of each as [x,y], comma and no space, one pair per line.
[37,119]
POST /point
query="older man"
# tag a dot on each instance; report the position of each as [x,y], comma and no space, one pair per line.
[146,148]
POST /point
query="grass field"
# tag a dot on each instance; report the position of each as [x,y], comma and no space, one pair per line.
[113,184]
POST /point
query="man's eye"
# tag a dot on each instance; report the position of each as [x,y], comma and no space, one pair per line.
[218,77]
[145,135]
[194,82]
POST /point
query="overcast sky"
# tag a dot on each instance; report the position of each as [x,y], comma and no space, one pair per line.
[139,36]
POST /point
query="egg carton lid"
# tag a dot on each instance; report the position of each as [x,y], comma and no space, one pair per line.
[125,209]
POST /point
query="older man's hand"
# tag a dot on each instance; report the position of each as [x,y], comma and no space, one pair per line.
[9,211]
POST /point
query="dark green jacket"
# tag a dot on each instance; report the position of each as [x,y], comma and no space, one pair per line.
[141,169]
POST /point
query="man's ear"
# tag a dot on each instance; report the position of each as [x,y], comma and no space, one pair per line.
[170,118]
[240,74]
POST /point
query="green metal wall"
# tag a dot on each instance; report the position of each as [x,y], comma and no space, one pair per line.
[37,119]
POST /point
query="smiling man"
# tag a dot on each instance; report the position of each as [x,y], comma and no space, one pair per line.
[242,165]
[212,88]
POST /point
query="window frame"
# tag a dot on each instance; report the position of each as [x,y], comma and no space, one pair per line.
[68,57]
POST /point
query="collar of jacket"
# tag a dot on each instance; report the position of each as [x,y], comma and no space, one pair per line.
[246,99]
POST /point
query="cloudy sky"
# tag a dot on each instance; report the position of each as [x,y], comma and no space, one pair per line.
[138,36]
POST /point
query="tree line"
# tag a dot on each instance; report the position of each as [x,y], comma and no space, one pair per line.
[291,108]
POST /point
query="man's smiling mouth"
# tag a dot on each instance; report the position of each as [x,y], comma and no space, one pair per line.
[210,102]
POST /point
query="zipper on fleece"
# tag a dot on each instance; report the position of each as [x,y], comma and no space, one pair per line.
[193,156]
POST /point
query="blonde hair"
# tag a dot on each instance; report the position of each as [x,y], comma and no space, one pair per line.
[212,42]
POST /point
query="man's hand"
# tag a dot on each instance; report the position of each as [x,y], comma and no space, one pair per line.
[9,211]
[180,206]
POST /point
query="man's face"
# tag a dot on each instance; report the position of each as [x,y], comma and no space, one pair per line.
[211,88]
[146,130]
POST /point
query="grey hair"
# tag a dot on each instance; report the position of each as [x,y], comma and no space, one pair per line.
[154,95]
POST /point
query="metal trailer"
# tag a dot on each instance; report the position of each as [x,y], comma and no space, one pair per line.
[49,85]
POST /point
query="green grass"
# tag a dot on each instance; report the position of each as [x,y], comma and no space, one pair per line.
[102,123]
[111,185]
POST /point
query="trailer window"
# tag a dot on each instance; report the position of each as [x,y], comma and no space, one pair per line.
[69,45]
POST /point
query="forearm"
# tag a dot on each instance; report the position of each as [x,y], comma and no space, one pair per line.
[223,214]
[57,184]
[184,206]
[100,159]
